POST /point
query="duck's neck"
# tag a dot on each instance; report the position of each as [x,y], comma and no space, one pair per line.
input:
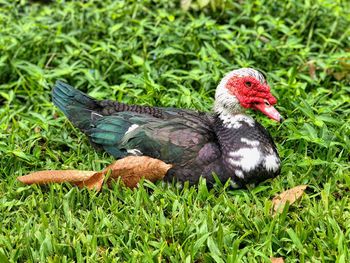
[229,120]
[222,107]
[230,115]
[230,127]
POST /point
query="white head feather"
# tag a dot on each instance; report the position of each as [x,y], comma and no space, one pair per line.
[226,102]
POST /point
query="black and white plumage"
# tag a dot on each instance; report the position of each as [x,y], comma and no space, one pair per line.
[226,142]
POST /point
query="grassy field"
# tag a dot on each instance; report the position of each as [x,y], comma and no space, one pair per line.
[155,53]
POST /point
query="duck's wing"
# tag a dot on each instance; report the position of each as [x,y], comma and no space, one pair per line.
[172,140]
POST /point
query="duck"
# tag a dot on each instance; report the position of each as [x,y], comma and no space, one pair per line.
[225,144]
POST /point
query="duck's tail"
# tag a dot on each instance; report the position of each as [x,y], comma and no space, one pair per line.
[76,105]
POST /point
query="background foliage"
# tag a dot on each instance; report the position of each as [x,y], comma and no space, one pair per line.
[155,53]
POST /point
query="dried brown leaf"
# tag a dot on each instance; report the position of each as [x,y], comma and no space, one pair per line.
[89,179]
[290,196]
[276,260]
[55,176]
[94,182]
[130,169]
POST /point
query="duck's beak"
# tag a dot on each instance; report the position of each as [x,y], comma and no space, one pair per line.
[268,110]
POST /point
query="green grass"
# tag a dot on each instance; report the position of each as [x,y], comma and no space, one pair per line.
[156,54]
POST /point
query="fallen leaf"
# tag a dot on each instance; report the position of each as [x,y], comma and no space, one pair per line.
[130,170]
[79,178]
[276,260]
[290,196]
[94,182]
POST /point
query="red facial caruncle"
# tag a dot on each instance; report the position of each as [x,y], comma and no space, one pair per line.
[251,93]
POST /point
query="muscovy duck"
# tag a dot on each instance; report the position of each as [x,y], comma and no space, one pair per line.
[226,142]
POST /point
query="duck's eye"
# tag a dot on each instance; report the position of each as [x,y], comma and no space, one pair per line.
[248,84]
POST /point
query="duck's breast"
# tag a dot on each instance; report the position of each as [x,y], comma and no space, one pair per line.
[250,153]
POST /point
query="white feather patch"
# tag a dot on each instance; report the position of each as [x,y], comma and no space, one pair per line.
[95,116]
[131,128]
[272,163]
[249,158]
[250,142]
[235,121]
[135,152]
[239,174]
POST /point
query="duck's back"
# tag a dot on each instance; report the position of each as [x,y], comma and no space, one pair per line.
[81,109]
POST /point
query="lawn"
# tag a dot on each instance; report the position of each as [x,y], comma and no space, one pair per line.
[155,53]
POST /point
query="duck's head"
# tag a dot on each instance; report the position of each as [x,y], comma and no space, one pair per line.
[245,88]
